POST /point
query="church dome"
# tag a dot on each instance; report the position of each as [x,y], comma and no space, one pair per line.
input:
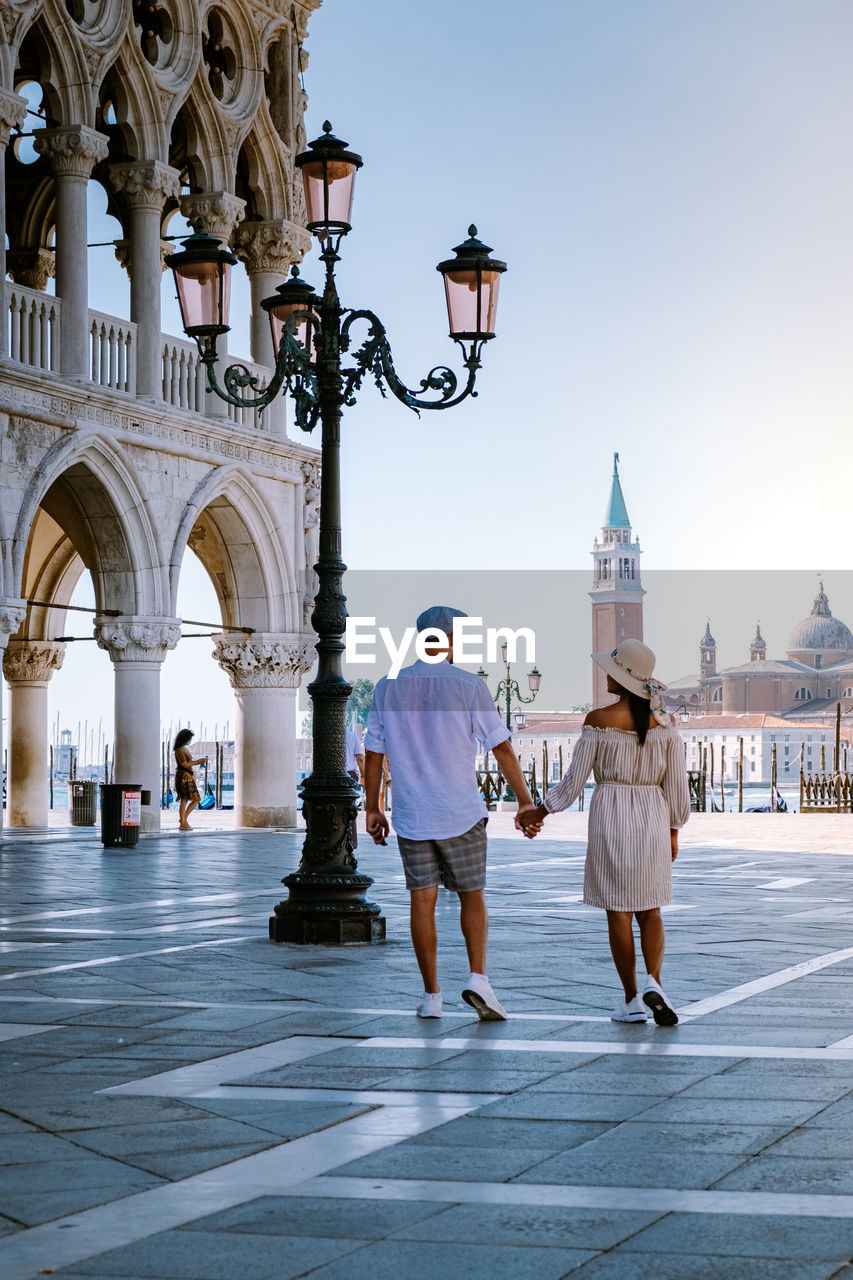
[820,630]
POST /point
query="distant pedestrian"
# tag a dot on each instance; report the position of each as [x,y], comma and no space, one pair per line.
[428,722]
[640,800]
[355,769]
[185,783]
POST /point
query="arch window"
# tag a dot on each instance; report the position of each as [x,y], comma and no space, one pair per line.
[717,695]
[802,695]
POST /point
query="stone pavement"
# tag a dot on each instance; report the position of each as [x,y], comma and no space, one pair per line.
[182,1100]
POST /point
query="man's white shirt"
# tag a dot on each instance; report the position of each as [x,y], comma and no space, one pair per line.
[428,723]
[354,748]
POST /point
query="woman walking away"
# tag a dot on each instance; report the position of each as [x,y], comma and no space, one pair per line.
[640,800]
[185,785]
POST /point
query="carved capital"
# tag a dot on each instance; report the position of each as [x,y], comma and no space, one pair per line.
[72,152]
[124,253]
[146,184]
[31,661]
[137,639]
[31,267]
[264,661]
[13,111]
[271,246]
[12,614]
[218,211]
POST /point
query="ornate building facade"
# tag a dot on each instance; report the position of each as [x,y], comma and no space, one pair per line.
[617,591]
[113,459]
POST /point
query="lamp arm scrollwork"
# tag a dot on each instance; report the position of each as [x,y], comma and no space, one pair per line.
[292,368]
[374,357]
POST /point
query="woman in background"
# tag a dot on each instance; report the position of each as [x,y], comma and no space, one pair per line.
[640,800]
[185,784]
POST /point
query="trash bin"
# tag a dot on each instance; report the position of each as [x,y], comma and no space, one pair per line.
[84,803]
[120,805]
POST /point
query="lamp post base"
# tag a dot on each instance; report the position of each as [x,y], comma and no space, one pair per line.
[327,910]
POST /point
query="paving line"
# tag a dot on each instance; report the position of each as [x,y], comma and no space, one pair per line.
[652,1048]
[76,1237]
[132,955]
[735,995]
[663,1199]
[17,1030]
[142,906]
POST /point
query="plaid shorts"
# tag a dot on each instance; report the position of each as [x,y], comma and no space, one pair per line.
[459,863]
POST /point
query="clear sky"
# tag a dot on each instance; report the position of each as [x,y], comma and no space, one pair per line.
[671,187]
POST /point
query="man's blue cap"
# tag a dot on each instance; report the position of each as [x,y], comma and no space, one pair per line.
[439,617]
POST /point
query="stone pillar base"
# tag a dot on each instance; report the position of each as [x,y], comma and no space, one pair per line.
[254,816]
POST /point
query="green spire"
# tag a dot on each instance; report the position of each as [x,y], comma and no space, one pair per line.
[617,512]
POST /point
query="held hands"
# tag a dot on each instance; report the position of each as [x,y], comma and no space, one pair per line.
[377,825]
[530,820]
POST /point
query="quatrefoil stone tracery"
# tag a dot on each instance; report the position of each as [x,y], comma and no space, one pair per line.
[218,55]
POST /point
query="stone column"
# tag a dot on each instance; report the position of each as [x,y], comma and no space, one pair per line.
[28,666]
[218,212]
[265,671]
[73,153]
[138,647]
[13,110]
[12,614]
[268,250]
[145,187]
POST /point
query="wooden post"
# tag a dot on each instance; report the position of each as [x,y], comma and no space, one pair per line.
[711,752]
[772,777]
[823,757]
[740,777]
[544,767]
[560,752]
[837,736]
[533,777]
[802,766]
[723,778]
[51,776]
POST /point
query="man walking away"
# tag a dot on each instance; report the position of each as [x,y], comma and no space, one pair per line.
[428,722]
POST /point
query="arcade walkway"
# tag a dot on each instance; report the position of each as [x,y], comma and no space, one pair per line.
[181,1100]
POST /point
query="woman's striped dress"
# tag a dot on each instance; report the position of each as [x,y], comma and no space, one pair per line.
[641,793]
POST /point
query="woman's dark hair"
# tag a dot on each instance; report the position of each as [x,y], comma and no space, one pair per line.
[641,710]
[182,737]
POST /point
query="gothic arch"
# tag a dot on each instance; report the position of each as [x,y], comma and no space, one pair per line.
[85,485]
[264,171]
[67,72]
[229,526]
[52,569]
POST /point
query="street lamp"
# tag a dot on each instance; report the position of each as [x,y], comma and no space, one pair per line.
[311,335]
[509,691]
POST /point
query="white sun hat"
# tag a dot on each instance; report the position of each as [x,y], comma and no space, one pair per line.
[631,664]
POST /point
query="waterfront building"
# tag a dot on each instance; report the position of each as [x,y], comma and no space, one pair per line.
[815,674]
[115,459]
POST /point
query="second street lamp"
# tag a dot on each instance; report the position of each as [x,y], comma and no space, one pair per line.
[509,692]
[317,366]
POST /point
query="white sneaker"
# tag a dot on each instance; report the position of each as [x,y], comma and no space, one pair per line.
[430,1006]
[480,996]
[631,1011]
[659,1003]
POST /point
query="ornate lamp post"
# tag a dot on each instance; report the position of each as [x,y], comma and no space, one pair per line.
[317,366]
[509,691]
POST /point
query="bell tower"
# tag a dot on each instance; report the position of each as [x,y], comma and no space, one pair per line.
[617,592]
